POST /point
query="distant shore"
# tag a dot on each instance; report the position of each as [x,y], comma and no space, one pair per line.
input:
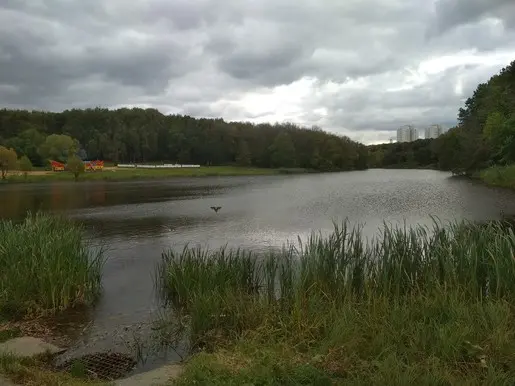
[494,177]
[121,174]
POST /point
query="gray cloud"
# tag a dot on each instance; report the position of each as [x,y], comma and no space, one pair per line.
[454,13]
[44,57]
[200,57]
[367,110]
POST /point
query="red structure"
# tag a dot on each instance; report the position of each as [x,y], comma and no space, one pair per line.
[93,165]
[89,166]
[57,166]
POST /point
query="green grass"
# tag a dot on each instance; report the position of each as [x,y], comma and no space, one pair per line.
[37,371]
[8,333]
[503,176]
[134,174]
[47,267]
[414,306]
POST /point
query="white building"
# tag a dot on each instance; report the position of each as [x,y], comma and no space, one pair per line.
[433,131]
[407,133]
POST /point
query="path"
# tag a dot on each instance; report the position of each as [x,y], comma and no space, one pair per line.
[160,376]
[5,382]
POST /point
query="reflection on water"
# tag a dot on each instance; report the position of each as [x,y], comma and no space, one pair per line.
[136,221]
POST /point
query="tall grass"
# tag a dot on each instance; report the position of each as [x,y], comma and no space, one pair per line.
[46,266]
[474,259]
[434,302]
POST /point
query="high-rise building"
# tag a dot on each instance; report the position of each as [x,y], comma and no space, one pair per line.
[433,131]
[407,133]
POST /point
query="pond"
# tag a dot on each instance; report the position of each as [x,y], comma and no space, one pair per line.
[137,220]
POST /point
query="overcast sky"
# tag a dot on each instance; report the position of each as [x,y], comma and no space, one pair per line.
[357,67]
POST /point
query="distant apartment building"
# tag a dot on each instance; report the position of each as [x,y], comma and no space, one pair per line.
[407,133]
[433,131]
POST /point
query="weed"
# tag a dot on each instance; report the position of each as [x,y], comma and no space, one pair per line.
[47,266]
[414,305]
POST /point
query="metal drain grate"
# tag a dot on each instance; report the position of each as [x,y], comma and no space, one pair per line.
[106,366]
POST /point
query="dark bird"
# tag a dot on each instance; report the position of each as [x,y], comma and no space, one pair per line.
[216,208]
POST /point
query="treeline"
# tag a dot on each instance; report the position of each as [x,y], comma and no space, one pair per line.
[146,135]
[484,136]
[403,155]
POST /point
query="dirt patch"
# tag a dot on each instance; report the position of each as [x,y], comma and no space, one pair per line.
[60,330]
[32,173]
[28,347]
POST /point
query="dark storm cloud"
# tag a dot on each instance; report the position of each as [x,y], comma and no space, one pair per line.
[450,14]
[45,57]
[267,67]
[275,42]
[198,57]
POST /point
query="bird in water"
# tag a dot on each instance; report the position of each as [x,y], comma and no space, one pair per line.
[216,208]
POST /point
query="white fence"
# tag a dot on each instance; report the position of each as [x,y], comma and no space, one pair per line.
[163,166]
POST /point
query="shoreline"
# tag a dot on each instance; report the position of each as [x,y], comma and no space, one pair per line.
[500,177]
[114,174]
[313,333]
[252,335]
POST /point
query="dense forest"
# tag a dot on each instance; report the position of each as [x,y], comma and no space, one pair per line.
[146,135]
[484,136]
[403,155]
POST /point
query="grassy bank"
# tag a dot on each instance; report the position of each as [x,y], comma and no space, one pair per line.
[46,267]
[120,174]
[432,307]
[502,176]
[36,371]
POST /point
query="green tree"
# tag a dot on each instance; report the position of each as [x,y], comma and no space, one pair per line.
[448,148]
[282,151]
[243,157]
[27,143]
[507,147]
[315,159]
[58,147]
[8,159]
[331,154]
[25,165]
[494,127]
[493,133]
[75,165]
[361,162]
[146,135]
[483,136]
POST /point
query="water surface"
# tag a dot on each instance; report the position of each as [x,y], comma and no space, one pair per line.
[139,220]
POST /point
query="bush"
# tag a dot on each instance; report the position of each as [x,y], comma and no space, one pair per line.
[503,176]
[25,165]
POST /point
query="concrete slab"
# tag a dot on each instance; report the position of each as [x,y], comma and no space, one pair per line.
[28,346]
[157,377]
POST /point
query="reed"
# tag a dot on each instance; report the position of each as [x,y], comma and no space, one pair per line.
[475,259]
[414,304]
[47,266]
